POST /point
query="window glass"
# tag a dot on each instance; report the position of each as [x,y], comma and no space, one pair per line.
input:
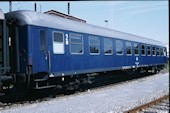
[143,49]
[107,41]
[136,49]
[94,49]
[58,43]
[153,51]
[76,39]
[108,47]
[42,40]
[94,45]
[162,52]
[149,50]
[58,37]
[158,51]
[119,47]
[76,46]
[128,48]
[94,41]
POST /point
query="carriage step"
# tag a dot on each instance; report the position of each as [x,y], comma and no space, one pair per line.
[45,87]
[40,80]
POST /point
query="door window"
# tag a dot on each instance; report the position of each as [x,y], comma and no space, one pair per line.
[42,40]
[58,43]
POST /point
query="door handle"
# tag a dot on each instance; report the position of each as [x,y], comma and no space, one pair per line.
[45,53]
[49,61]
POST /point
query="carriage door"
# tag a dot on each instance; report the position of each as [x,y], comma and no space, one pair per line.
[1,46]
[43,54]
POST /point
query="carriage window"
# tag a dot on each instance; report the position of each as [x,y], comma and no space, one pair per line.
[58,43]
[128,48]
[143,49]
[162,52]
[119,47]
[149,50]
[158,51]
[153,51]
[94,45]
[76,46]
[42,40]
[136,49]
[108,47]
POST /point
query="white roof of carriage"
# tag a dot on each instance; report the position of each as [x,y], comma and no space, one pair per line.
[39,19]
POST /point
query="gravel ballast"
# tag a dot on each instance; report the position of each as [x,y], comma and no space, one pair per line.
[110,99]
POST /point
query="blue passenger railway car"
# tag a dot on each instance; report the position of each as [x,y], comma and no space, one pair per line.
[43,51]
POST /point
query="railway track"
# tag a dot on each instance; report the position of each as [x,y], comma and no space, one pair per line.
[145,107]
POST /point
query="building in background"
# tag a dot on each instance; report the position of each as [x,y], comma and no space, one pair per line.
[57,13]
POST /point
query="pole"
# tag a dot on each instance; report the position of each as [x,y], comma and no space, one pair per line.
[68,8]
[35,7]
[10,6]
[40,8]
[106,23]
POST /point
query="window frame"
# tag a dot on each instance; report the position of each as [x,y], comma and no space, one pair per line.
[58,42]
[157,51]
[143,49]
[80,35]
[119,47]
[164,51]
[127,48]
[161,52]
[135,48]
[106,45]
[154,50]
[148,50]
[94,38]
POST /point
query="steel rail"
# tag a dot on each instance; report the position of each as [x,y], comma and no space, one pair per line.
[147,105]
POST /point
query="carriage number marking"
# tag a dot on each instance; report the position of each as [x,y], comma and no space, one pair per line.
[67,39]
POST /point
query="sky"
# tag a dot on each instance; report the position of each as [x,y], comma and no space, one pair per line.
[148,19]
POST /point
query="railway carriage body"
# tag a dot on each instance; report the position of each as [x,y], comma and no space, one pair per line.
[58,47]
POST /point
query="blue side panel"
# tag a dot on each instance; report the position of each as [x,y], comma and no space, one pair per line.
[69,64]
